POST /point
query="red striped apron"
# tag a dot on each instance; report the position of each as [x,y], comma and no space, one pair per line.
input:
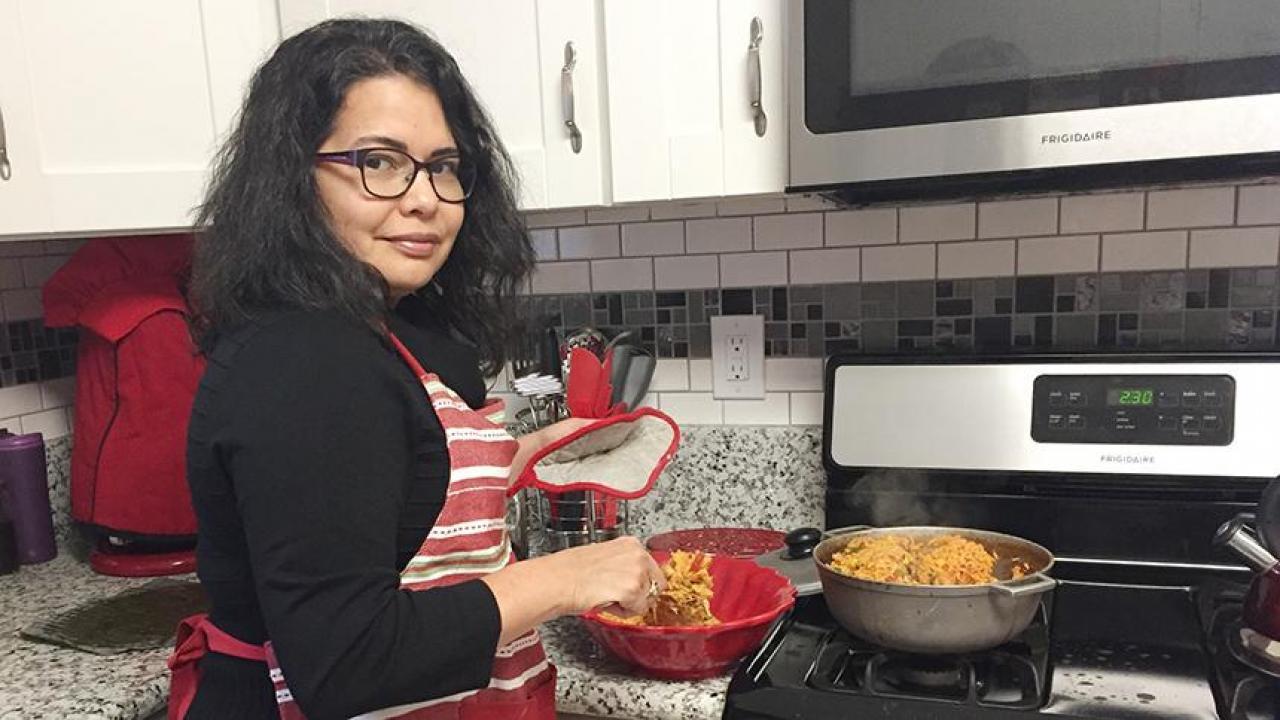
[469,540]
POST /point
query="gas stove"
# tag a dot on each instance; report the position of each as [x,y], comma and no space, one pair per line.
[1146,619]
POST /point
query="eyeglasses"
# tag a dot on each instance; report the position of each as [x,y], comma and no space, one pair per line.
[389,173]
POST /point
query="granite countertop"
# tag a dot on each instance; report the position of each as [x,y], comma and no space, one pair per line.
[39,680]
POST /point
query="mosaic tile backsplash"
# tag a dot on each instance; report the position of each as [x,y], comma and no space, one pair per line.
[1191,309]
[30,352]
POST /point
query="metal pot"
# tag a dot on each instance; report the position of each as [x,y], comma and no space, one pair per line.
[937,619]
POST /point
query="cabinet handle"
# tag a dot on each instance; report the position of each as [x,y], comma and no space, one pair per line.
[753,76]
[6,171]
[566,96]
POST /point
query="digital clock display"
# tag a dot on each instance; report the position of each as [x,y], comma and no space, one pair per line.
[1130,396]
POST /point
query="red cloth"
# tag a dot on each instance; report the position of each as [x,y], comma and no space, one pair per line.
[136,376]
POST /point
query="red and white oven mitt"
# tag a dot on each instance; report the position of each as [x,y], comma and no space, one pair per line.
[619,456]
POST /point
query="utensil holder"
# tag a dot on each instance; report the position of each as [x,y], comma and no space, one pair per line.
[565,520]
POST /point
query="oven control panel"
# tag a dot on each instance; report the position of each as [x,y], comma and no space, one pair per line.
[1134,409]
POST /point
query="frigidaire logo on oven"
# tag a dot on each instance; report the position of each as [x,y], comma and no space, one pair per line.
[1075,137]
[1129,459]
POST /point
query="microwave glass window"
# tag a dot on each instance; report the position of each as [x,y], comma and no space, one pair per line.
[884,63]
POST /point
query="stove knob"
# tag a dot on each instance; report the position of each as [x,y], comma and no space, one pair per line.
[801,542]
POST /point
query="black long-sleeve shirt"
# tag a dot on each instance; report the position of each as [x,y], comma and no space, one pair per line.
[317,467]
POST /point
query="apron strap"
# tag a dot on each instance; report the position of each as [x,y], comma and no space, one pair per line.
[197,635]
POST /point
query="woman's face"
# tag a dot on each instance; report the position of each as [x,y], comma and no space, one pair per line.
[409,238]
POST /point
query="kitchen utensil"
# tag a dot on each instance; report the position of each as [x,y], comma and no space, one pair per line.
[639,375]
[937,619]
[26,487]
[742,543]
[746,598]
[1262,599]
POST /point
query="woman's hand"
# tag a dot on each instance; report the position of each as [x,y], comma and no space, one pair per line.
[618,572]
[538,439]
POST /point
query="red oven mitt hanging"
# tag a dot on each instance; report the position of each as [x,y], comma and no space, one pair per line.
[620,455]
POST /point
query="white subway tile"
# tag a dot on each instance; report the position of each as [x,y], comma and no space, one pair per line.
[1015,218]
[1259,205]
[833,265]
[60,392]
[653,238]
[12,424]
[990,258]
[905,262]
[681,210]
[544,244]
[752,269]
[670,374]
[22,304]
[806,408]
[30,248]
[49,423]
[63,247]
[627,214]
[10,273]
[1102,213]
[20,400]
[719,235]
[877,226]
[808,203]
[793,373]
[1243,247]
[1192,207]
[37,270]
[1052,255]
[555,218]
[686,272]
[1144,251]
[785,232]
[774,409]
[594,241]
[692,408]
[936,223]
[561,277]
[622,275]
[751,206]
[700,374]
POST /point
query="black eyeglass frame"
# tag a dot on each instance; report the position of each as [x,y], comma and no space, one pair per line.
[355,158]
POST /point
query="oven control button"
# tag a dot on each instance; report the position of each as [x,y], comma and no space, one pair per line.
[1168,422]
[1212,398]
[1212,422]
[1168,399]
[1057,421]
[1190,398]
[1057,398]
[1075,422]
[1190,423]
[1077,399]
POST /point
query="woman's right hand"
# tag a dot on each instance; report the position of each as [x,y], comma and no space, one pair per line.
[618,572]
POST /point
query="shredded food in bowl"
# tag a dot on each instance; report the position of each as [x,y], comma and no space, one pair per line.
[907,560]
[687,598]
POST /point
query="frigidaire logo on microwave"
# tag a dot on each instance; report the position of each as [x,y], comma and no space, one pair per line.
[1128,459]
[1075,137]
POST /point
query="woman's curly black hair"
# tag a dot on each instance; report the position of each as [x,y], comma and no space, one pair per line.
[266,241]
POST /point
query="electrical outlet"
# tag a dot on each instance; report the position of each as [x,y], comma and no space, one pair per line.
[737,356]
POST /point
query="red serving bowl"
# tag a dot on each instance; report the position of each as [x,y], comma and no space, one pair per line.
[747,598]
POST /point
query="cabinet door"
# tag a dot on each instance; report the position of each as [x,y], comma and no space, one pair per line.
[496,45]
[663,74]
[753,163]
[24,208]
[130,101]
[574,178]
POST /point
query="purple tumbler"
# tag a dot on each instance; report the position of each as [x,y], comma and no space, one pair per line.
[26,488]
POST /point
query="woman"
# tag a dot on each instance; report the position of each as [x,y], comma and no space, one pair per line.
[357,272]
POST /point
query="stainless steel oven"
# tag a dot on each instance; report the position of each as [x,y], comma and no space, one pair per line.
[917,97]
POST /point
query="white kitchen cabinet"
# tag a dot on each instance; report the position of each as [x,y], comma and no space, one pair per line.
[512,52]
[120,106]
[680,76]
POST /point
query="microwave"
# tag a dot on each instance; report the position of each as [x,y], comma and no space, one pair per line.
[897,99]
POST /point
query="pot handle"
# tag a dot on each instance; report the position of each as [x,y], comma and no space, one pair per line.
[1027,586]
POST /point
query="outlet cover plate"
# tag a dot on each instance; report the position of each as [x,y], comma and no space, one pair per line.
[741,329]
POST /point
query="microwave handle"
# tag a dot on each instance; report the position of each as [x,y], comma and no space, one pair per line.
[753,77]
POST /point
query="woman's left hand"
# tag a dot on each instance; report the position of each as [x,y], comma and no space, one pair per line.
[538,439]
